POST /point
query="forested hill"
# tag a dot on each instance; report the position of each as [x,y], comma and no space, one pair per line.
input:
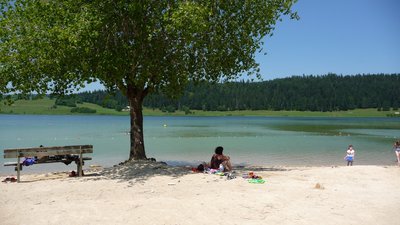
[312,93]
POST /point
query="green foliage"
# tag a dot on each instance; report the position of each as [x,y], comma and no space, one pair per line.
[137,47]
[307,93]
[70,102]
[45,107]
[110,103]
[186,110]
[115,100]
[118,108]
[393,115]
[169,109]
[82,110]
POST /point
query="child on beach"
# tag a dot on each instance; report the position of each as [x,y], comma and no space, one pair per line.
[396,148]
[350,155]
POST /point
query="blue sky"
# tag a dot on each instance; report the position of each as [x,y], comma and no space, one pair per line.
[333,36]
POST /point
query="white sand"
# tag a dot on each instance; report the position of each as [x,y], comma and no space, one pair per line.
[146,193]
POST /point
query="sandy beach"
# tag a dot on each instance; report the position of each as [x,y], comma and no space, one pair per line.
[154,193]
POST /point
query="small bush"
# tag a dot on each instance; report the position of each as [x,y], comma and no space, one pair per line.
[186,110]
[119,108]
[66,102]
[82,110]
[170,109]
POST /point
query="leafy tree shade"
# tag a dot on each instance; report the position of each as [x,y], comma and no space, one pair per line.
[137,47]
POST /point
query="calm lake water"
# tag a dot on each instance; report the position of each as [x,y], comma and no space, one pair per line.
[268,141]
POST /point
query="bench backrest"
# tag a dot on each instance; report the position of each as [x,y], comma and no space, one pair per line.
[47,151]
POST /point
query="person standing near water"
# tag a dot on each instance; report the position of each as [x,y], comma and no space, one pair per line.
[396,148]
[350,155]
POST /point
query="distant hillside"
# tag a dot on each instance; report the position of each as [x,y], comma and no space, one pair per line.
[301,93]
[46,106]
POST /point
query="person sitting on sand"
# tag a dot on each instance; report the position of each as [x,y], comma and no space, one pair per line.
[350,155]
[220,161]
[396,148]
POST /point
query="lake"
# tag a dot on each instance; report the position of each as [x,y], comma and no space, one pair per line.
[269,141]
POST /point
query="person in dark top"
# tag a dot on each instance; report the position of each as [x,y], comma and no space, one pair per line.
[220,161]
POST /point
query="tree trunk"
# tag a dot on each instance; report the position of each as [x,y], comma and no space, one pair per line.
[137,139]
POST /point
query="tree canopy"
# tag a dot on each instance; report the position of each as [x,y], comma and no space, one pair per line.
[137,47]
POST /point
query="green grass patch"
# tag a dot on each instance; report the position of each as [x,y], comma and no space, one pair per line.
[46,106]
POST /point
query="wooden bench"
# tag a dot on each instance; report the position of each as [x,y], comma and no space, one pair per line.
[64,154]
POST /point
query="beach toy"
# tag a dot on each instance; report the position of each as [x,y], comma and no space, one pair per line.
[256,181]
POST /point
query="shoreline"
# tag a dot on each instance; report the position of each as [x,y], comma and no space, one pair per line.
[60,168]
[153,193]
[57,168]
[147,112]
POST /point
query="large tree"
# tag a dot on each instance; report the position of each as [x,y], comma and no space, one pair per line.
[138,47]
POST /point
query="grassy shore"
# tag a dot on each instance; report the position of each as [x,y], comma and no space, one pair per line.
[45,107]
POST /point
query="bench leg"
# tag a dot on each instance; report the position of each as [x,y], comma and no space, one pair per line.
[18,168]
[78,168]
[80,163]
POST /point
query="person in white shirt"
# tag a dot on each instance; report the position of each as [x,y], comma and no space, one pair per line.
[396,148]
[350,153]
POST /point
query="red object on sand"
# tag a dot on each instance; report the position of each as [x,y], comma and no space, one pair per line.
[10,179]
[72,174]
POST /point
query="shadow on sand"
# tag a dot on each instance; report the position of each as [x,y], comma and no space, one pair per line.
[141,170]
